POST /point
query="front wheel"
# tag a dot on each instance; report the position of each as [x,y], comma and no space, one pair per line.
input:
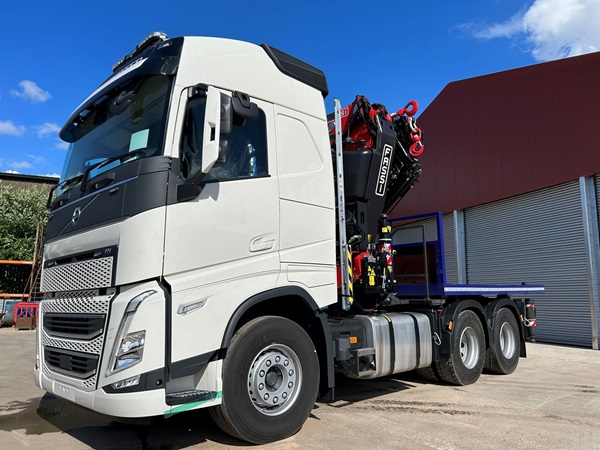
[504,354]
[465,364]
[270,381]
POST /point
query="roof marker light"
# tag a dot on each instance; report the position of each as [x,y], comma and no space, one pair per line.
[147,42]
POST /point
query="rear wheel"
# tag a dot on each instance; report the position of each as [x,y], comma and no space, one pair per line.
[504,354]
[270,381]
[429,373]
[465,364]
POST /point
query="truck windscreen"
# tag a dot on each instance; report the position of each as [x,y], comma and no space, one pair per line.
[129,119]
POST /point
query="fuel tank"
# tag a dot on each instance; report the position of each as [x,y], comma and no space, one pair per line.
[401,342]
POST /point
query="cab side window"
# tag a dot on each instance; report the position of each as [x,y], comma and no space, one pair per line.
[246,151]
[243,150]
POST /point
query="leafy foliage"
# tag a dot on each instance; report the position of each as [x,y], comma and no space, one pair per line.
[20,211]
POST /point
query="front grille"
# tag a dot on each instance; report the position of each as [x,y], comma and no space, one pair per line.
[77,326]
[75,364]
[77,302]
[74,325]
[89,274]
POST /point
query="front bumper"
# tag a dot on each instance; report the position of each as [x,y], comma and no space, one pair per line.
[132,404]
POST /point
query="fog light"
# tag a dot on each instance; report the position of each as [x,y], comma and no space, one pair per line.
[133,381]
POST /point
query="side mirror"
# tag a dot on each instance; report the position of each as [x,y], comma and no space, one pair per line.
[210,144]
[223,145]
[243,107]
[226,114]
[212,130]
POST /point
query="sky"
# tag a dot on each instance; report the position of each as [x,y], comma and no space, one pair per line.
[56,52]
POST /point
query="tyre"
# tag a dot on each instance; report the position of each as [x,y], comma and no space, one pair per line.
[465,364]
[504,354]
[270,381]
[429,373]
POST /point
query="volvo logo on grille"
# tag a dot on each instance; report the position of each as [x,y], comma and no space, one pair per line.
[384,168]
[76,214]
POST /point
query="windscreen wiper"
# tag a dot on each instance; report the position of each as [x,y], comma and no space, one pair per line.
[68,183]
[122,158]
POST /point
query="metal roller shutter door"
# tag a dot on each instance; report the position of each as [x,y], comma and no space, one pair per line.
[536,238]
[450,248]
[594,268]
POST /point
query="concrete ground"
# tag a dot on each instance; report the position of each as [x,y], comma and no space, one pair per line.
[551,401]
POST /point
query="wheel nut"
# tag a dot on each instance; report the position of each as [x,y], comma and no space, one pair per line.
[268,363]
[275,400]
[286,363]
[261,386]
[261,373]
[266,397]
[291,372]
[290,385]
[284,395]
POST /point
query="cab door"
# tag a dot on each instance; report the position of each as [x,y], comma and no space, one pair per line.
[221,246]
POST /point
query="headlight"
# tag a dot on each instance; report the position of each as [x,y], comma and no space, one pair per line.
[129,346]
[130,351]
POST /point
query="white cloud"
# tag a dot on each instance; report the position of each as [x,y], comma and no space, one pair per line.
[51,175]
[9,127]
[507,29]
[62,145]
[21,165]
[37,159]
[47,129]
[32,92]
[11,171]
[553,28]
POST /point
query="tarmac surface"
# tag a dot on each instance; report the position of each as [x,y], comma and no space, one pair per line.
[552,401]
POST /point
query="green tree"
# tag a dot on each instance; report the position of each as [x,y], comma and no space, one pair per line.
[20,212]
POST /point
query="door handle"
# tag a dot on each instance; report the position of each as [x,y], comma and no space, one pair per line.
[261,243]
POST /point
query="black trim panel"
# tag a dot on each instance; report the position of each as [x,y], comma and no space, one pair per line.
[392,345]
[137,186]
[297,69]
[73,325]
[263,296]
[190,366]
[417,341]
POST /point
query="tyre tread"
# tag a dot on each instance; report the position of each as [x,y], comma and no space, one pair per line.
[446,366]
[429,373]
[494,365]
[230,422]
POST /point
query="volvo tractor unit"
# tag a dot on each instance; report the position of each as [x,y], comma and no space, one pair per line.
[217,241]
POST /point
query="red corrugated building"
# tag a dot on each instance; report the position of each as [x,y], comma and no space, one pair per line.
[513,161]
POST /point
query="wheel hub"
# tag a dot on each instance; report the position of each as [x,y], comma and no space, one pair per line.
[274,379]
[469,347]
[508,342]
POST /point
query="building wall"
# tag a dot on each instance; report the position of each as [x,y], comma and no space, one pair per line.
[26,181]
[504,134]
[516,154]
